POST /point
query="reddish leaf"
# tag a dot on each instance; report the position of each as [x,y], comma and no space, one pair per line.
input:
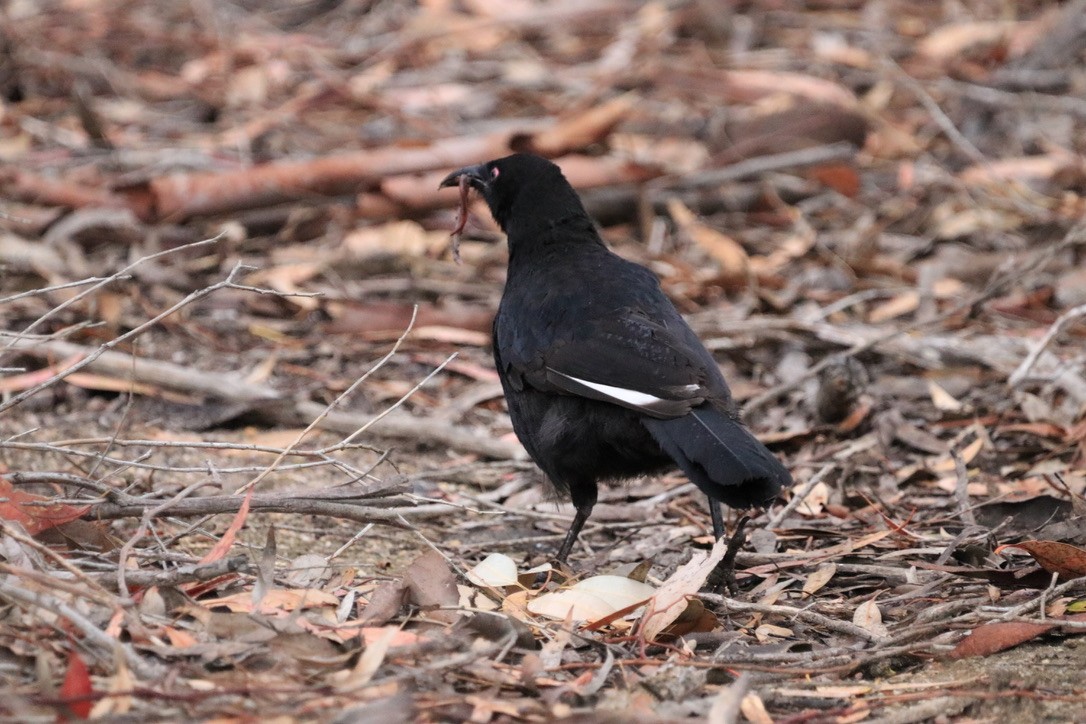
[994,637]
[35,512]
[18,383]
[1061,558]
[223,546]
[76,690]
[841,177]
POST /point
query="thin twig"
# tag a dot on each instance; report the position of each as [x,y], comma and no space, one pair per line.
[1022,373]
[798,496]
[331,406]
[145,523]
[131,334]
[145,669]
[98,285]
[803,614]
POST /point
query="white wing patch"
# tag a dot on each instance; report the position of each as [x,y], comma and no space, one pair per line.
[634,399]
[621,394]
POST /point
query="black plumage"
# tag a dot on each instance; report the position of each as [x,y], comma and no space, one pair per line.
[603,378]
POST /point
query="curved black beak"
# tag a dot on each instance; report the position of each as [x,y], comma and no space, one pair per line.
[477,176]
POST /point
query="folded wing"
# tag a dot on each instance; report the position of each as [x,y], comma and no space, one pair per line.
[658,369]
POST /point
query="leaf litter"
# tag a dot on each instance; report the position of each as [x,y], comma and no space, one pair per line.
[243,472]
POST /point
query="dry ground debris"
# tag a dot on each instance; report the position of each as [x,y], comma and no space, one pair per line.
[254,460]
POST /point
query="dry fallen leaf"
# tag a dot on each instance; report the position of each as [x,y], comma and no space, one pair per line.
[35,513]
[897,306]
[1061,558]
[942,399]
[994,637]
[868,617]
[278,600]
[733,259]
[950,42]
[496,570]
[818,578]
[670,601]
[371,659]
[768,631]
[815,500]
[592,599]
[431,585]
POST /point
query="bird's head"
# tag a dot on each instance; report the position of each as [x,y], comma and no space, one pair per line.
[508,184]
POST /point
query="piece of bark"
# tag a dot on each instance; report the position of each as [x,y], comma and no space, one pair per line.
[272,404]
[182,195]
[416,195]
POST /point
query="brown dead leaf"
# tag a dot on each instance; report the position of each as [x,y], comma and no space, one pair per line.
[105,383]
[819,578]
[76,690]
[841,177]
[899,305]
[370,661]
[670,600]
[968,454]
[950,42]
[26,380]
[757,84]
[179,638]
[1066,560]
[868,617]
[384,603]
[733,259]
[279,600]
[372,634]
[405,239]
[80,535]
[451,335]
[1040,429]
[1024,169]
[582,129]
[431,585]
[120,686]
[377,319]
[995,637]
[288,278]
[768,632]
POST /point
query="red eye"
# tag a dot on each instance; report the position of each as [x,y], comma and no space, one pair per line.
[494,172]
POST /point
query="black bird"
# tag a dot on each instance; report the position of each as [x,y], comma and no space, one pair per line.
[603,378]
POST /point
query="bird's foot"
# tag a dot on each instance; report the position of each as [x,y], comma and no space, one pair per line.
[722,577]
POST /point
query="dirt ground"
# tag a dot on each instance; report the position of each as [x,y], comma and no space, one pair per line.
[255,462]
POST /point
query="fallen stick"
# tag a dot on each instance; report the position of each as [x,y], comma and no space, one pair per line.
[179,196]
[33,189]
[349,502]
[232,388]
[418,194]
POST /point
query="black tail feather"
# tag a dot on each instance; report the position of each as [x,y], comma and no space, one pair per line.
[721,456]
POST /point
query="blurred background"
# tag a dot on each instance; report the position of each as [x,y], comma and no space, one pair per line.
[871,211]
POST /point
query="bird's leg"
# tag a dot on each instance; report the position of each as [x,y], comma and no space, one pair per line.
[571,536]
[718,518]
[584,499]
[723,576]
